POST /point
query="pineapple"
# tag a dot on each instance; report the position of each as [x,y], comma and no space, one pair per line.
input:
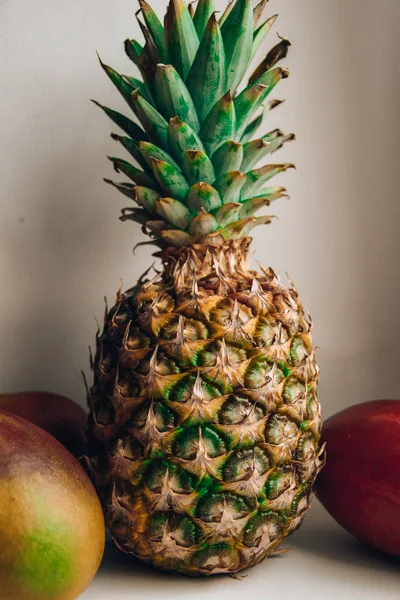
[204,422]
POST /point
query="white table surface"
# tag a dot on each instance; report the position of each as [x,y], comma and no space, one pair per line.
[324,563]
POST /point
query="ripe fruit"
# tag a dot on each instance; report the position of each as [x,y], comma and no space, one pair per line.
[51,524]
[58,415]
[360,484]
[204,420]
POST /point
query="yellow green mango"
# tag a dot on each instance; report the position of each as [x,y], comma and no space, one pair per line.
[51,524]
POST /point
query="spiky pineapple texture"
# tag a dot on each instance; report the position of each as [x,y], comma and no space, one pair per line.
[197,158]
[204,421]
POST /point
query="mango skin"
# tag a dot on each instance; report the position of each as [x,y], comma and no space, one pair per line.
[52,532]
[58,415]
[360,484]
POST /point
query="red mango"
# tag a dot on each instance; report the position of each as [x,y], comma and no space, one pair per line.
[360,484]
[61,417]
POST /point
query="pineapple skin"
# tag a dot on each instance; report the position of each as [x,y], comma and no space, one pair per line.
[204,425]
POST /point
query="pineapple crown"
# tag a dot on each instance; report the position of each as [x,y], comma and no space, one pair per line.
[197,182]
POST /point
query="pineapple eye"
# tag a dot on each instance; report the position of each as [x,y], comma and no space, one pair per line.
[235,410]
[306,448]
[137,339]
[219,556]
[222,313]
[196,330]
[312,405]
[293,390]
[302,500]
[153,299]
[260,372]
[165,418]
[300,349]
[265,331]
[127,384]
[204,441]
[280,480]
[182,390]
[185,532]
[178,529]
[213,507]
[162,474]
[280,429]
[242,464]
[263,525]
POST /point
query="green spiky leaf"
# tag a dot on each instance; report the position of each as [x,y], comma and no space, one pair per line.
[230,185]
[136,175]
[127,189]
[131,146]
[174,212]
[150,151]
[207,77]
[204,10]
[220,124]
[199,177]
[270,79]
[145,197]
[124,88]
[182,137]
[258,12]
[237,33]
[274,192]
[174,99]
[143,59]
[226,12]
[133,130]
[133,50]
[153,123]
[278,140]
[253,152]
[137,84]
[278,53]
[243,227]
[228,157]
[170,179]
[181,41]
[154,26]
[246,105]
[260,34]
[228,213]
[272,135]
[203,195]
[202,224]
[252,127]
[150,49]
[258,177]
[197,167]
[251,206]
[251,98]
[255,124]
[175,237]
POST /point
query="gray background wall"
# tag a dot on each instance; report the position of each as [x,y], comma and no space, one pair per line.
[62,247]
